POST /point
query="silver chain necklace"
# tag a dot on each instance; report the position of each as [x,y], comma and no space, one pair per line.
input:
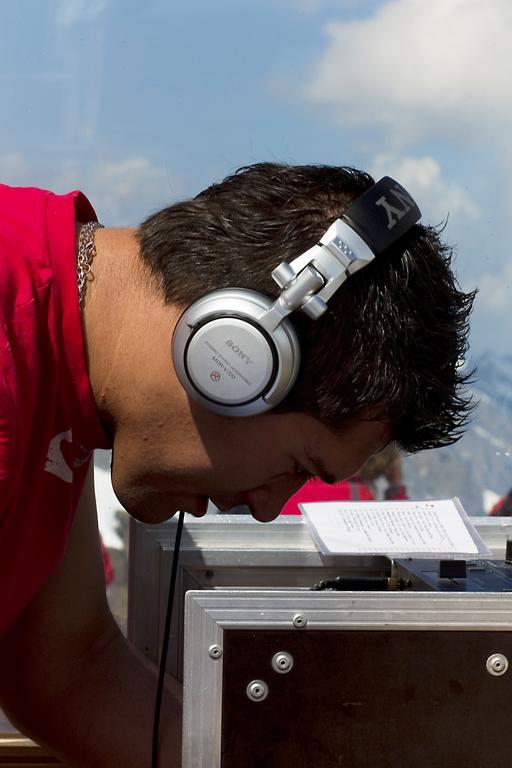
[86,253]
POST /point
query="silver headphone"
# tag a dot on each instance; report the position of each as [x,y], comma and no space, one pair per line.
[235,350]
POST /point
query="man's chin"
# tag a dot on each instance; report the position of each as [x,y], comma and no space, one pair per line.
[265,517]
[150,515]
[155,508]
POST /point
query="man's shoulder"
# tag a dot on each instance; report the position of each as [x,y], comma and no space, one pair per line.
[23,246]
[24,206]
[31,216]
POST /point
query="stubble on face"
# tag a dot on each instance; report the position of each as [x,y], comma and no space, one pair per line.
[185,458]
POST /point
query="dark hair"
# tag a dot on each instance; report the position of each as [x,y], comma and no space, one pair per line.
[395,333]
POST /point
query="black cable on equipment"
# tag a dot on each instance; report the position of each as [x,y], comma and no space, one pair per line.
[165,643]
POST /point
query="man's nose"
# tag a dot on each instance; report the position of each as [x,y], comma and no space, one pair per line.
[267,501]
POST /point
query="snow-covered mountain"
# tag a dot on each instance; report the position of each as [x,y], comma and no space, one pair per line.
[494,378]
[480,464]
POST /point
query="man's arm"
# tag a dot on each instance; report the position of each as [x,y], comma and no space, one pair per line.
[70,680]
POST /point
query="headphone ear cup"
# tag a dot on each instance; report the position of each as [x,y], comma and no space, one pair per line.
[226,360]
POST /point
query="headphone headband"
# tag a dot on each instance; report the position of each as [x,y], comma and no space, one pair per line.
[382,214]
[373,223]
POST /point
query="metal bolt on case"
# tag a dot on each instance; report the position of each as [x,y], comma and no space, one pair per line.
[257,690]
[299,620]
[497,664]
[282,662]
[215,651]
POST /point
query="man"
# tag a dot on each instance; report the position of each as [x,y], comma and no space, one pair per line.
[91,367]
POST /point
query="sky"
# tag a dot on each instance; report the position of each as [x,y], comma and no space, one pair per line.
[142,104]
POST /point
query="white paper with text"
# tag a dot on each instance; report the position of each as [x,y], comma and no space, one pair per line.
[434,528]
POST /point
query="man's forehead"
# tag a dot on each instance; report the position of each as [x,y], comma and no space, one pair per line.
[355,428]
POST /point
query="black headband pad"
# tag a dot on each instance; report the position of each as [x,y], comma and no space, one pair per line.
[382,214]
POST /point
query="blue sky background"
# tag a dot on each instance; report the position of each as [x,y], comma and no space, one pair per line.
[140,104]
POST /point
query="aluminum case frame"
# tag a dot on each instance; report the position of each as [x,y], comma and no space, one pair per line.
[273,564]
[222,551]
[210,613]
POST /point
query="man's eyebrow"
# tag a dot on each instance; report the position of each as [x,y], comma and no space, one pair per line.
[322,472]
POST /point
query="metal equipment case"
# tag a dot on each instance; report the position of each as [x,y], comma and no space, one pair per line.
[382,680]
[278,676]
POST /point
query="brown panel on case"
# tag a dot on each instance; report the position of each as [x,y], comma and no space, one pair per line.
[367,699]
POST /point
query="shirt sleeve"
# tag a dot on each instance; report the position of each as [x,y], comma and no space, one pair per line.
[7,433]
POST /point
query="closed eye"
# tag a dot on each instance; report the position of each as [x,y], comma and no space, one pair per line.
[323,473]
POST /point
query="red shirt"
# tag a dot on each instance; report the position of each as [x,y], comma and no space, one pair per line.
[346,490]
[503,507]
[48,419]
[316,490]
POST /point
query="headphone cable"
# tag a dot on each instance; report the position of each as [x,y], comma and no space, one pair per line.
[165,643]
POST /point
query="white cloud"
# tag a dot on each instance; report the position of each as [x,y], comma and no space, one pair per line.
[421,69]
[495,290]
[122,193]
[438,198]
[71,12]
[135,179]
[14,169]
